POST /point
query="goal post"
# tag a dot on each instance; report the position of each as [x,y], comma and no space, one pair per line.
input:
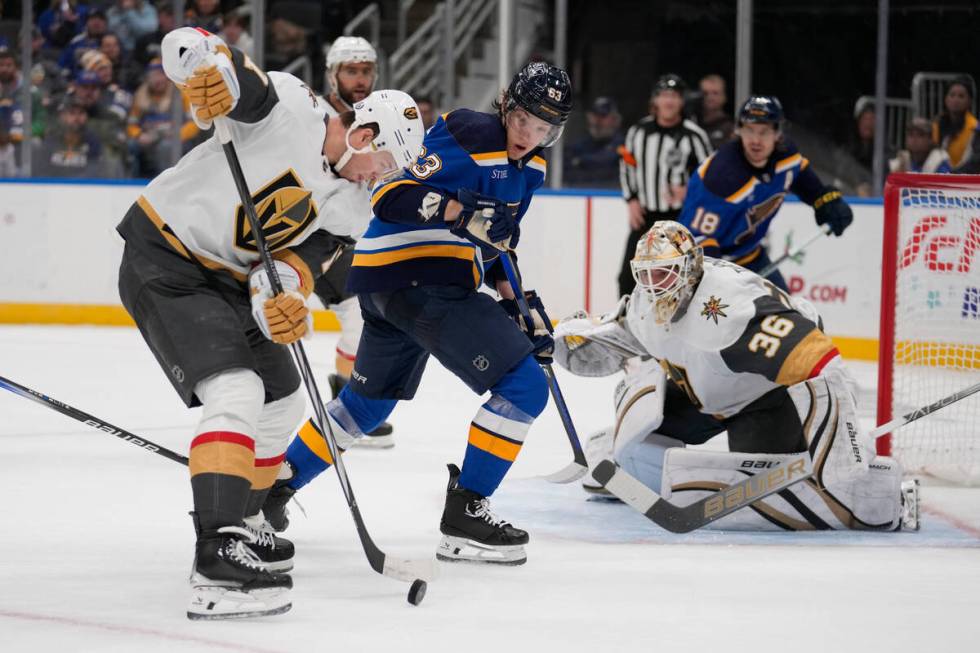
[929,339]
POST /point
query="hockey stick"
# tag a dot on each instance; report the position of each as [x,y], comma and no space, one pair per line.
[402,569]
[725,501]
[769,269]
[578,467]
[90,420]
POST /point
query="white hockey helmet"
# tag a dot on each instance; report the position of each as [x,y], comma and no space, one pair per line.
[399,127]
[668,265]
[348,49]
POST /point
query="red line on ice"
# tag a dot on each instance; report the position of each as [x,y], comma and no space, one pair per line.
[955,521]
[116,628]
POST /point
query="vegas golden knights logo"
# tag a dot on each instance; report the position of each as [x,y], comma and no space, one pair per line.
[284,209]
[678,375]
[411,113]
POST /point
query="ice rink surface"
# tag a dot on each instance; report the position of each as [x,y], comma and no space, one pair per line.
[96,544]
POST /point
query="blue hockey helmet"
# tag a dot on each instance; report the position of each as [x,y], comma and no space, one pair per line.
[762,109]
[542,90]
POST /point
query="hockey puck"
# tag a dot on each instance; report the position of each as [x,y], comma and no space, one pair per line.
[417,591]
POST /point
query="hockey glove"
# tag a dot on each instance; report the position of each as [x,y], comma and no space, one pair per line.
[538,330]
[831,209]
[483,220]
[283,318]
[210,93]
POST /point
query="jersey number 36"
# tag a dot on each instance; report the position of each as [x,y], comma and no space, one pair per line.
[772,330]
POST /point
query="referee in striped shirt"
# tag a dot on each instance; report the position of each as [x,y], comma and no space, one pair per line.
[659,156]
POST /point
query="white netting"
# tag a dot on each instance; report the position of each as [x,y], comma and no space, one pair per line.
[937,330]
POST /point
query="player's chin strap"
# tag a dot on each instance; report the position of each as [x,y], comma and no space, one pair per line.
[351,150]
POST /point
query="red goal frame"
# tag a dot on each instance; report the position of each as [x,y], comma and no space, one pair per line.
[889,265]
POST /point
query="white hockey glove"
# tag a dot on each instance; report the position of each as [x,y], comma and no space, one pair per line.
[283,318]
[200,65]
[595,346]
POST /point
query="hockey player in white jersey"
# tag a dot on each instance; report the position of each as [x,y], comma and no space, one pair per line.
[721,350]
[190,265]
[352,70]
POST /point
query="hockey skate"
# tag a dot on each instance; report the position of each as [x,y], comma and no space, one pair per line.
[910,505]
[229,582]
[275,510]
[379,438]
[276,553]
[472,533]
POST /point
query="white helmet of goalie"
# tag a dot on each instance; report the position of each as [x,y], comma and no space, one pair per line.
[350,50]
[668,265]
[395,115]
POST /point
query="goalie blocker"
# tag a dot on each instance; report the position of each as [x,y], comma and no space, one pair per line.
[727,353]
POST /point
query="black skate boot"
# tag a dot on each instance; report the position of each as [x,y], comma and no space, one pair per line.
[379,438]
[229,582]
[274,508]
[472,533]
[276,553]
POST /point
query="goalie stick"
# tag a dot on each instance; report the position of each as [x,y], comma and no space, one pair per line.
[401,569]
[769,269]
[578,467]
[685,519]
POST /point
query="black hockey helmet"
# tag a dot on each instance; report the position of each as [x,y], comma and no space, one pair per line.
[762,109]
[670,82]
[542,90]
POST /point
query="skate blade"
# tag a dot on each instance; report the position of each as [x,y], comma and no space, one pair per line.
[458,549]
[213,602]
[374,442]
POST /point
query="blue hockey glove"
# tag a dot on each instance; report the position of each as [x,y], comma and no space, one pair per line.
[539,330]
[484,220]
[831,209]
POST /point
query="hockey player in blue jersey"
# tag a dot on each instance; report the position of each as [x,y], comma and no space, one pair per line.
[436,237]
[738,190]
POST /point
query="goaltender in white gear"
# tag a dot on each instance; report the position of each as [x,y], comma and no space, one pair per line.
[711,348]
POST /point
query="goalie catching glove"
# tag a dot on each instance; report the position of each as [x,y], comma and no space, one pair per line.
[538,330]
[282,318]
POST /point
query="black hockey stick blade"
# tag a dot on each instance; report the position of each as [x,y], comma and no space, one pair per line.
[713,507]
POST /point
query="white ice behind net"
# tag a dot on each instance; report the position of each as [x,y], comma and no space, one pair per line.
[937,331]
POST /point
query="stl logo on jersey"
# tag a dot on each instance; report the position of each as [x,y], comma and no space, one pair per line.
[284,209]
[713,309]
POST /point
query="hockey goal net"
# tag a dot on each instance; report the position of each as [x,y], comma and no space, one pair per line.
[929,343]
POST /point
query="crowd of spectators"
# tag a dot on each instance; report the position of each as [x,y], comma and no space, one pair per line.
[101,105]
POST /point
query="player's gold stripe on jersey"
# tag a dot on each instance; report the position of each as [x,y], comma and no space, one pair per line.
[748,258]
[490,158]
[180,248]
[315,442]
[493,445]
[384,189]
[800,362]
[222,458]
[785,164]
[405,253]
[742,192]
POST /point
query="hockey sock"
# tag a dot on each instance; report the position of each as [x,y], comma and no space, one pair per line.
[344,364]
[500,426]
[263,476]
[351,416]
[221,465]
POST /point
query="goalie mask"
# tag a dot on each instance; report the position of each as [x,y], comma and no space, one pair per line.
[398,140]
[668,265]
[350,49]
